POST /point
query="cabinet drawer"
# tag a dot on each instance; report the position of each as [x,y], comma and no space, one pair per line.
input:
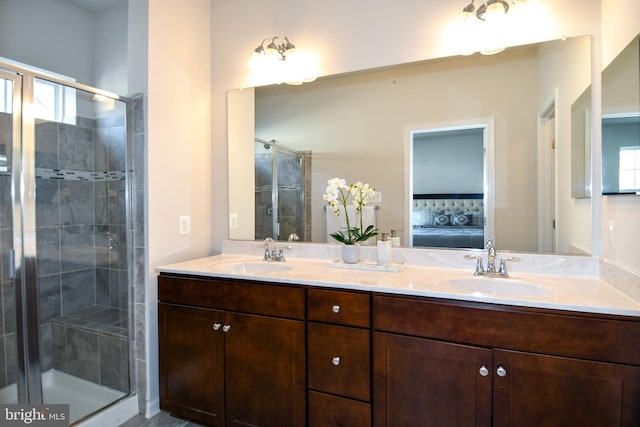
[340,307]
[232,295]
[339,360]
[326,410]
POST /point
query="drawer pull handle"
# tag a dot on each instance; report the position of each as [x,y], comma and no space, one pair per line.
[501,372]
[216,326]
[335,309]
[484,371]
[335,361]
[226,328]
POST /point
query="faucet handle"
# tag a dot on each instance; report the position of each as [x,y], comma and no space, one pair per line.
[503,265]
[479,268]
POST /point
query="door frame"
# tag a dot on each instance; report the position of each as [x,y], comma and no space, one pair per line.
[547,193]
[488,126]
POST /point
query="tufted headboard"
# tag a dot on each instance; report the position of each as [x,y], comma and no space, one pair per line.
[428,208]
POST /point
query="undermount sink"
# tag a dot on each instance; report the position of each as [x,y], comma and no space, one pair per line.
[491,286]
[255,267]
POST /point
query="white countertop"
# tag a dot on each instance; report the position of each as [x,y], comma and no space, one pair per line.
[563,292]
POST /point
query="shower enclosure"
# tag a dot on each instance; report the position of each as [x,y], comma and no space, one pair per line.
[282,208]
[64,257]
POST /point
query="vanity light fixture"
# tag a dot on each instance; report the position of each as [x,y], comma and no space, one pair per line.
[489,8]
[489,16]
[275,49]
[277,60]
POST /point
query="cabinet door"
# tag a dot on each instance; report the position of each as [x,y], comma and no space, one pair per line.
[191,353]
[538,390]
[421,382]
[265,371]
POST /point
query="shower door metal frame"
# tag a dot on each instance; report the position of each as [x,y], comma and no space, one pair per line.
[23,262]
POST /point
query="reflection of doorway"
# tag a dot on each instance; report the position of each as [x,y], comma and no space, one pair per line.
[447,177]
[547,179]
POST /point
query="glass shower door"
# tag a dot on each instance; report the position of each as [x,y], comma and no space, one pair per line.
[82,258]
[64,258]
[9,132]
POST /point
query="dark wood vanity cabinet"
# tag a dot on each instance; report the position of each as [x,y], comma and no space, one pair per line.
[236,352]
[232,353]
[339,358]
[441,364]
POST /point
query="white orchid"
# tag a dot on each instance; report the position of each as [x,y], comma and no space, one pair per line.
[337,195]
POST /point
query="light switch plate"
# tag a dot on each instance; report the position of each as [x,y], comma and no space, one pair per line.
[233,221]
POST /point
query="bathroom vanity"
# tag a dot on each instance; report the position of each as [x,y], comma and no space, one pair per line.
[244,342]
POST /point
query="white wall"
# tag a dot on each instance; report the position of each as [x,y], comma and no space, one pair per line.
[48,34]
[110,49]
[57,36]
[178,149]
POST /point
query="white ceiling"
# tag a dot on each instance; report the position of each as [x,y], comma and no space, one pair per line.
[94,6]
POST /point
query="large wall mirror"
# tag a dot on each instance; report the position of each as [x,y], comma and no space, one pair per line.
[621,122]
[359,126]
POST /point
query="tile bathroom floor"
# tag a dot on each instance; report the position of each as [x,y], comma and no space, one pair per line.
[163,419]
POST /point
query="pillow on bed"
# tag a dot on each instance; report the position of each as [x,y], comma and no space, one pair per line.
[441,219]
[461,219]
[422,219]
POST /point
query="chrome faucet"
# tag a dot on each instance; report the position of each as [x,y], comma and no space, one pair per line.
[272,252]
[491,263]
[491,257]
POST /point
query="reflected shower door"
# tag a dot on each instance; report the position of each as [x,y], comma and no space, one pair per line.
[289,194]
[279,192]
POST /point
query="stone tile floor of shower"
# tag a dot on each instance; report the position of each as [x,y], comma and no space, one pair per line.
[163,419]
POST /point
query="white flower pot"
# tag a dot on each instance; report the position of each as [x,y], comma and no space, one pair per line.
[350,254]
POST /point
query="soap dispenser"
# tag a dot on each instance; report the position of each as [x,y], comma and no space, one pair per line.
[395,239]
[384,251]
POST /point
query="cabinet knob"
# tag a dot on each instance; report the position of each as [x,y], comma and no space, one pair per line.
[501,372]
[216,326]
[335,309]
[336,361]
[226,328]
[483,371]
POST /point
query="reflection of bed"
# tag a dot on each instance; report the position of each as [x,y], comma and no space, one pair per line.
[448,220]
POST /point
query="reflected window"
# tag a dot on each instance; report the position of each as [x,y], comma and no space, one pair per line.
[629,173]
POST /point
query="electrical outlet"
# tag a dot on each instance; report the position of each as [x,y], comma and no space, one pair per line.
[233,221]
[184,224]
[377,197]
[611,234]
